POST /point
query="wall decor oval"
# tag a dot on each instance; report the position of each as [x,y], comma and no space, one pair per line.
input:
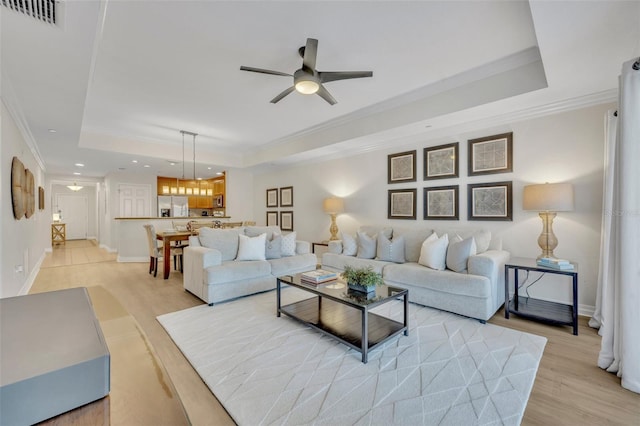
[17,184]
[29,194]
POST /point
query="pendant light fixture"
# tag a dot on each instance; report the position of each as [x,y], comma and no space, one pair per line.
[185,132]
[75,187]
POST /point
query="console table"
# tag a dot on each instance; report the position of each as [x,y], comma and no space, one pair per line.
[536,309]
[58,233]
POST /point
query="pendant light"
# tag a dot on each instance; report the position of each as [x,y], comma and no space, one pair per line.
[185,132]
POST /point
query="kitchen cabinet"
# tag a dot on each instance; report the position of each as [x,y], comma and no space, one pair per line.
[201,194]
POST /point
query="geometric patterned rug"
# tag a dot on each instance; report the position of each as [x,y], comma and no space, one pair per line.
[265,370]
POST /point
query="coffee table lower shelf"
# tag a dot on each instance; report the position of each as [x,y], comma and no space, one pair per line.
[343,323]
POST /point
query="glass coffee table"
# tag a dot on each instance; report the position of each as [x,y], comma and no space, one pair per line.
[345,315]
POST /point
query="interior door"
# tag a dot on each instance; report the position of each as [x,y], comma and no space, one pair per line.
[75,213]
[135,200]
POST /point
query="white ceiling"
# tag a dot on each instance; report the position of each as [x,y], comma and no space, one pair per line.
[118,80]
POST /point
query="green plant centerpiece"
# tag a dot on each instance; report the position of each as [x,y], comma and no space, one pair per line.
[364,280]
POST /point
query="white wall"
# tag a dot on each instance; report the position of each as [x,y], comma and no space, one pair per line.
[88,191]
[22,241]
[557,148]
[239,188]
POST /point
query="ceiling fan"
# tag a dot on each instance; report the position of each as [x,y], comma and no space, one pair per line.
[307,80]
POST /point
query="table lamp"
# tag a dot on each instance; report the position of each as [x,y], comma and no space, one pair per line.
[547,199]
[332,206]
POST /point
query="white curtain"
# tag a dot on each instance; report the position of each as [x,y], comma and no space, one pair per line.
[617,312]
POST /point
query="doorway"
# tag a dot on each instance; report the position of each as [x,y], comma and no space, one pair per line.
[75,213]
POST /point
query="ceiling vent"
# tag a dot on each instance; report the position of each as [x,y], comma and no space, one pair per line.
[42,10]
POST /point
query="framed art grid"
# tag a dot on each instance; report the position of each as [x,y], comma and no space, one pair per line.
[286,196]
[401,167]
[441,203]
[272,197]
[272,218]
[491,154]
[286,221]
[402,204]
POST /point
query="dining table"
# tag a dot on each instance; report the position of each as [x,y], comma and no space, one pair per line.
[167,237]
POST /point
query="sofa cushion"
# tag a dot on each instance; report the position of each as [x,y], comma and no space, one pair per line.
[338,262]
[413,239]
[232,271]
[390,250]
[445,281]
[293,264]
[458,253]
[223,240]
[254,231]
[434,252]
[251,248]
[349,245]
[366,246]
[273,248]
[289,244]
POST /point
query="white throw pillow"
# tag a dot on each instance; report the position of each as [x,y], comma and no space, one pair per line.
[483,240]
[349,245]
[390,250]
[366,246]
[251,248]
[458,253]
[433,253]
[289,244]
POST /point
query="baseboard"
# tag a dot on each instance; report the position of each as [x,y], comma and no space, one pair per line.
[107,248]
[32,275]
[133,259]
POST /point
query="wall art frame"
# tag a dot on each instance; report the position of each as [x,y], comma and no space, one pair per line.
[490,201]
[286,221]
[441,203]
[402,204]
[401,167]
[272,197]
[40,198]
[491,154]
[272,218]
[441,162]
[286,196]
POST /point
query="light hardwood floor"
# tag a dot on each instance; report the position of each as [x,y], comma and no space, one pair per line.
[569,389]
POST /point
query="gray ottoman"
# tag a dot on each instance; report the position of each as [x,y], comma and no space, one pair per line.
[53,356]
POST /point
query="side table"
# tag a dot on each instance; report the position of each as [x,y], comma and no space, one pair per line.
[536,309]
[58,233]
[322,244]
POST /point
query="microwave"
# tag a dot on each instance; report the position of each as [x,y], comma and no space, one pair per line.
[218,200]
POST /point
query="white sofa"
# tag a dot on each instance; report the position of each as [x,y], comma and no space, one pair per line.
[477,291]
[214,272]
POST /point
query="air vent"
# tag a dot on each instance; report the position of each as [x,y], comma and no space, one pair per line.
[42,10]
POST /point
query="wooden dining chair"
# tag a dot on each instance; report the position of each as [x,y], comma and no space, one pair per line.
[155,251]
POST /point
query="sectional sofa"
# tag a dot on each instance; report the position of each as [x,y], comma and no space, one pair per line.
[223,264]
[468,280]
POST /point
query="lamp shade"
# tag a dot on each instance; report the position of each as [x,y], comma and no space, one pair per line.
[549,197]
[333,205]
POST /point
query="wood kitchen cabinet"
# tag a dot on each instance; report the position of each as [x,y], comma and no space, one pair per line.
[201,194]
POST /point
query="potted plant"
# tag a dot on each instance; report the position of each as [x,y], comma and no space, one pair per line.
[364,280]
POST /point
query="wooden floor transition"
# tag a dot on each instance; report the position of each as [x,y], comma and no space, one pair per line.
[569,389]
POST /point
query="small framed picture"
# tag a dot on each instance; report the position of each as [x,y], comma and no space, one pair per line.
[286,196]
[272,197]
[402,204]
[441,203]
[272,218]
[441,162]
[286,221]
[490,201]
[40,198]
[492,154]
[401,167]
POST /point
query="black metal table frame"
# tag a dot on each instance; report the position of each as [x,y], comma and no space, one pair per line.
[535,315]
[364,309]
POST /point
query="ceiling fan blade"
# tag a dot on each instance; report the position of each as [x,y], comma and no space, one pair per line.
[263,71]
[326,77]
[310,53]
[282,95]
[324,94]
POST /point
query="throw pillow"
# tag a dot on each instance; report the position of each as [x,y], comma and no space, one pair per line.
[254,231]
[433,253]
[458,253]
[483,240]
[390,250]
[366,246]
[223,240]
[251,248]
[349,245]
[289,244]
[274,247]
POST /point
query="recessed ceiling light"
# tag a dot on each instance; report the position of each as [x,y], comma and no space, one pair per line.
[198,178]
[146,165]
[52,130]
[79,165]
[134,161]
[172,164]
[209,168]
[77,173]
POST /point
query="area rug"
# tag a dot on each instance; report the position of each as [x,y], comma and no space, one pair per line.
[265,370]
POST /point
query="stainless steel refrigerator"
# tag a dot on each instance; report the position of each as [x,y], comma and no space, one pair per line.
[173,206]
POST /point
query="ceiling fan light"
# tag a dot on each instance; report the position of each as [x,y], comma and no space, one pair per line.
[307,87]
